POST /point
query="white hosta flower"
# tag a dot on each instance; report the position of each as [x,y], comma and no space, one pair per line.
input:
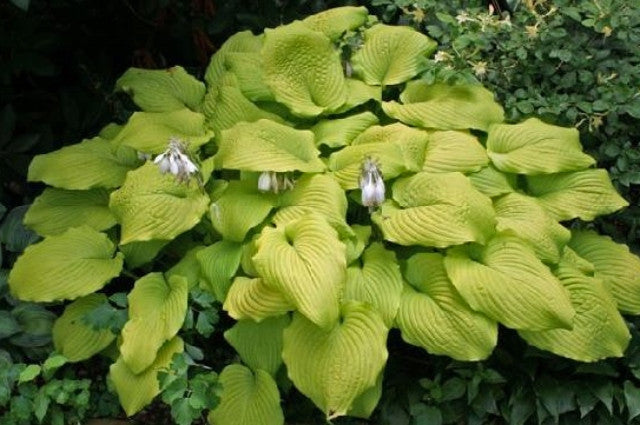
[264,182]
[371,184]
[175,161]
[270,181]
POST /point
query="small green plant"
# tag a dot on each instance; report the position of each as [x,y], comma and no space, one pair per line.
[323,195]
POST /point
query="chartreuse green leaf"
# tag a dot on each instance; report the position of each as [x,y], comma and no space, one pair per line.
[334,366]
[306,261]
[137,390]
[247,398]
[378,282]
[189,268]
[247,67]
[67,266]
[534,147]
[162,90]
[157,309]
[73,338]
[358,92]
[364,405]
[336,21]
[435,209]
[303,70]
[356,244]
[219,263]
[240,208]
[151,205]
[523,216]
[268,146]
[150,132]
[253,299]
[259,344]
[91,163]
[454,151]
[391,54]
[434,316]
[492,182]
[341,132]
[508,283]
[581,194]
[445,107]
[57,210]
[598,329]
[613,264]
[242,42]
[137,254]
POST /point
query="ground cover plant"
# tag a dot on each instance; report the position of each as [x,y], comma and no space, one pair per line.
[323,193]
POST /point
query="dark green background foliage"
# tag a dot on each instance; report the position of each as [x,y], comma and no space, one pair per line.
[572,63]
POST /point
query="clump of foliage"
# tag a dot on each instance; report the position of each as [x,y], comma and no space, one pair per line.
[324,194]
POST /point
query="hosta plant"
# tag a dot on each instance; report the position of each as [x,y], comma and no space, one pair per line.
[323,194]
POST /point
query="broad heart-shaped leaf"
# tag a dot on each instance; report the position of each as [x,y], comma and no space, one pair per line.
[533,147]
[454,151]
[303,70]
[240,208]
[528,220]
[150,132]
[67,266]
[247,67]
[253,299]
[364,405]
[356,244]
[219,263]
[306,261]
[91,163]
[137,390]
[334,366]
[259,344]
[581,194]
[358,92]
[73,338]
[492,182]
[57,210]
[334,22]
[378,282]
[247,398]
[157,308]
[508,283]
[598,329]
[162,90]
[391,54]
[613,264]
[436,209]
[243,42]
[434,316]
[189,268]
[340,132]
[265,145]
[444,107]
[150,205]
[137,254]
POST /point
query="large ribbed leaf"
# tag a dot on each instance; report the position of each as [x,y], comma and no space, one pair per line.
[136,391]
[240,208]
[356,244]
[454,151]
[598,329]
[436,209]
[56,210]
[445,107]
[75,339]
[581,194]
[614,265]
[137,254]
[334,22]
[189,268]
[253,299]
[303,70]
[247,398]
[247,67]
[434,316]
[259,344]
[150,205]
[507,282]
[526,218]
[67,266]
[162,90]
[219,263]
[391,54]
[150,132]
[340,132]
[92,163]
[378,282]
[268,146]
[157,308]
[533,147]
[306,261]
[364,405]
[492,182]
[334,366]
[243,42]
[358,92]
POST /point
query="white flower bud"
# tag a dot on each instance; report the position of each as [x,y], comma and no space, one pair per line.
[264,182]
[176,161]
[371,184]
